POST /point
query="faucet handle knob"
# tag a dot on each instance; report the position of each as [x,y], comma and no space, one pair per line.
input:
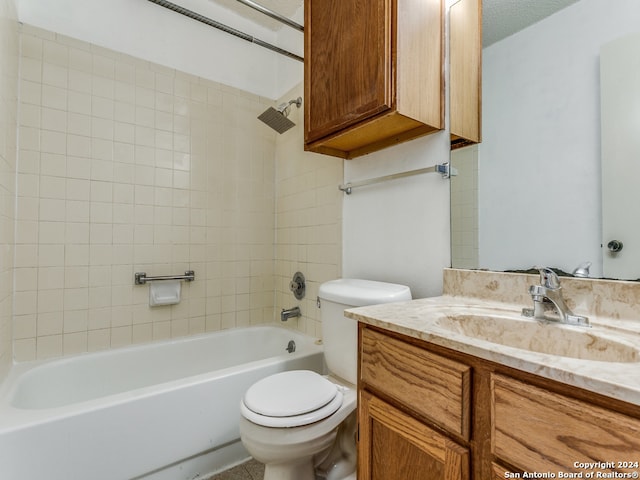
[297,285]
[548,278]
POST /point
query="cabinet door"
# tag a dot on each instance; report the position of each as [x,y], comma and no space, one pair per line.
[465,71]
[541,431]
[347,63]
[394,446]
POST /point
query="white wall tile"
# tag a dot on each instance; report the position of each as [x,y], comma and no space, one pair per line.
[121,173]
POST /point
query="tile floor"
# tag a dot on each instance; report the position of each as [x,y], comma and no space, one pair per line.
[251,470]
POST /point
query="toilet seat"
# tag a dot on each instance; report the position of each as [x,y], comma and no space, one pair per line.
[291,399]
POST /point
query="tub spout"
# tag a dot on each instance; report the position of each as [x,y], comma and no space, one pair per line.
[287,314]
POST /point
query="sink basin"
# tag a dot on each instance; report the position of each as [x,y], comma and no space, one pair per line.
[548,338]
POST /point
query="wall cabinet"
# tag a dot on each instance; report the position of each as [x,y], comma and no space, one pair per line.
[373,73]
[429,412]
[465,72]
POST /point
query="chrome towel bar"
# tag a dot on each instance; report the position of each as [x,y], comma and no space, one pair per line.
[141,277]
[444,169]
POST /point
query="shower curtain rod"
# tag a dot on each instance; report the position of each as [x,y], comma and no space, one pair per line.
[221,26]
[272,14]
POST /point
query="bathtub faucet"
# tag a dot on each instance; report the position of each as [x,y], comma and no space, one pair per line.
[292,312]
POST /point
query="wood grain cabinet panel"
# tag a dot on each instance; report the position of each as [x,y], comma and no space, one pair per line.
[465,72]
[433,386]
[373,73]
[541,431]
[349,51]
[396,446]
[427,412]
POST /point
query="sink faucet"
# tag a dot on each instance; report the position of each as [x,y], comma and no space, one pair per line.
[547,297]
[291,312]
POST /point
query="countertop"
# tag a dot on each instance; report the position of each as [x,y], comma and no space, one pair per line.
[420,319]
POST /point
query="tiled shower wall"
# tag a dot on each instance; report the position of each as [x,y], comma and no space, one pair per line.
[308,221]
[129,166]
[464,208]
[8,122]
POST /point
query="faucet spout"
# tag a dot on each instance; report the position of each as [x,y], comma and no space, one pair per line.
[286,314]
[548,301]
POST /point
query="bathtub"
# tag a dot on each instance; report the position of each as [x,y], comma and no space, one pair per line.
[161,411]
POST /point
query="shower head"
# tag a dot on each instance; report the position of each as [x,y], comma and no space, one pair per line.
[277,119]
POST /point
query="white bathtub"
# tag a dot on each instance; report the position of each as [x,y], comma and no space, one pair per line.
[160,411]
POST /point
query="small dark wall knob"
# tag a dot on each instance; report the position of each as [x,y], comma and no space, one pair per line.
[614,246]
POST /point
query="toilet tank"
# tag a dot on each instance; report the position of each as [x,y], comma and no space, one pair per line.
[339,333]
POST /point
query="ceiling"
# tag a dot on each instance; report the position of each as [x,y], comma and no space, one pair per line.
[501,18]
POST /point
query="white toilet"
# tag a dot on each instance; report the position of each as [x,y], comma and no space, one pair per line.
[301,424]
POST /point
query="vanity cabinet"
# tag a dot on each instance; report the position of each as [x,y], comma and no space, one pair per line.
[396,445]
[417,395]
[429,412]
[373,73]
[537,430]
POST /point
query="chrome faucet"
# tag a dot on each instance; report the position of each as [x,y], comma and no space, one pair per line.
[548,302]
[291,312]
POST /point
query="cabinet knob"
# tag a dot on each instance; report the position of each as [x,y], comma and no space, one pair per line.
[614,246]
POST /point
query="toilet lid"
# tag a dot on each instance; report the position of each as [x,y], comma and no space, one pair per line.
[291,393]
[295,420]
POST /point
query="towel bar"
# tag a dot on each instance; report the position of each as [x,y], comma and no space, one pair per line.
[141,277]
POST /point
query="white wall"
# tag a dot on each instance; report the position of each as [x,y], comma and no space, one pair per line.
[398,231]
[150,32]
[539,174]
[290,73]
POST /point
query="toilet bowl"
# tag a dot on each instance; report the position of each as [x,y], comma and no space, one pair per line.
[301,424]
[293,452]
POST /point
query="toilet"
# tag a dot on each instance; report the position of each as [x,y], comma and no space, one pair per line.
[301,424]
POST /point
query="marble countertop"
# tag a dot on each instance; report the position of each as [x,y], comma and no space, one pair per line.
[607,338]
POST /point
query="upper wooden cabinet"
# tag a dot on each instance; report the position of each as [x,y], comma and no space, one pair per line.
[373,73]
[465,75]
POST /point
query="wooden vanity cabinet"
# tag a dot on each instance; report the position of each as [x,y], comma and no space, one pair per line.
[538,430]
[426,412]
[407,398]
[398,446]
[373,73]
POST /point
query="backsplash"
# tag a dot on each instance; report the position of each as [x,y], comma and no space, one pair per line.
[616,299]
[126,166]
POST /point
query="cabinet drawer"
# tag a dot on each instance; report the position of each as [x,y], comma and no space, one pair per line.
[430,385]
[538,430]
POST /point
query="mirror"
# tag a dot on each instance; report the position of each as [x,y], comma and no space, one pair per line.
[530,193]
